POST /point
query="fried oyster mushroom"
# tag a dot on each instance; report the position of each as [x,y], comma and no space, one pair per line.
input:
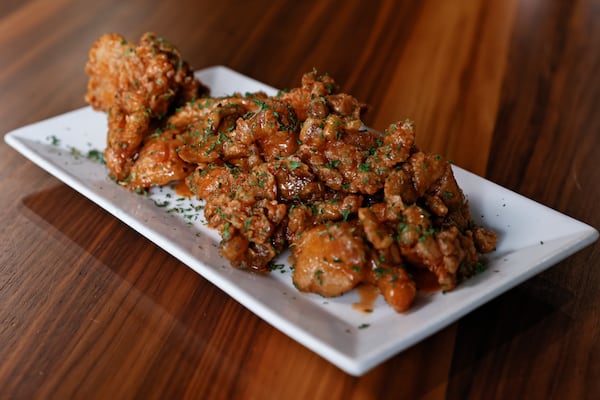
[137,85]
[298,170]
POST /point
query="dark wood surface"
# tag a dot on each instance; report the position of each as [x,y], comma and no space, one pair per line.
[507,89]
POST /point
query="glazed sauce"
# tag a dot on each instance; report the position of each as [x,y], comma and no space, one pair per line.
[183,190]
[427,281]
[367,295]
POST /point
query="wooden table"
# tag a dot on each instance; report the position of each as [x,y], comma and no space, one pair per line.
[507,89]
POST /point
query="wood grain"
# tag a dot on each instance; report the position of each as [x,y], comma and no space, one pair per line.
[507,89]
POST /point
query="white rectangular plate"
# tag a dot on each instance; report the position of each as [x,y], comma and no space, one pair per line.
[532,238]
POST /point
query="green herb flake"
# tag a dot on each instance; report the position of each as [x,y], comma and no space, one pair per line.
[96,155]
[318,274]
[226,233]
[345,214]
[364,167]
[54,141]
[75,152]
[333,164]
[292,165]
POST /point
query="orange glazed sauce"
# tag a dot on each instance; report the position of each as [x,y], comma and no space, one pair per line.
[367,295]
[183,190]
[426,281]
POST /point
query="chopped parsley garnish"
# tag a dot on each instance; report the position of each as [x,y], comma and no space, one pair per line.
[54,141]
[364,167]
[318,274]
[96,155]
[292,165]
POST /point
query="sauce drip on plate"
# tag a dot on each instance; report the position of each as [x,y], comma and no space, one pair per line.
[367,295]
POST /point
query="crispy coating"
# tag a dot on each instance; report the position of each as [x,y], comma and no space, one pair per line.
[330,259]
[158,161]
[393,279]
[136,84]
[295,170]
[243,207]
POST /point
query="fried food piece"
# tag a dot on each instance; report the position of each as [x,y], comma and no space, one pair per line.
[334,207]
[136,84]
[307,99]
[397,287]
[240,130]
[124,138]
[295,180]
[318,96]
[150,73]
[208,123]
[329,259]
[390,275]
[243,207]
[158,162]
[103,69]
[268,131]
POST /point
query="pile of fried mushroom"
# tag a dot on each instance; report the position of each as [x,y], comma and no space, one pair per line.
[297,170]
